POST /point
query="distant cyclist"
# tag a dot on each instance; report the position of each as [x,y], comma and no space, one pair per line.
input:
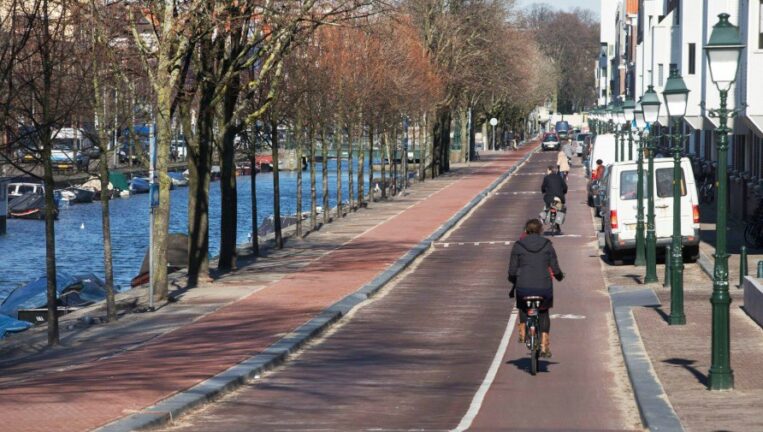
[533,262]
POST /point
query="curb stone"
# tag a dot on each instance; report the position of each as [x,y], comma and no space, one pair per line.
[656,412]
[208,390]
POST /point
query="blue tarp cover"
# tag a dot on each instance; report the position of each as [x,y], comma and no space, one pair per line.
[88,289]
[8,324]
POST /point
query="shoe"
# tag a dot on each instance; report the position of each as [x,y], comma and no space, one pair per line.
[521,328]
[545,349]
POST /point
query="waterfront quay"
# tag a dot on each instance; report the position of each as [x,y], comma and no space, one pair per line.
[111,371]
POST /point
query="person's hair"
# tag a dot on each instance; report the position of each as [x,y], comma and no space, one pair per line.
[552,168]
[599,161]
[533,226]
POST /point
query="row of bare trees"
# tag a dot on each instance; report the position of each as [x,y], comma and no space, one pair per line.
[342,75]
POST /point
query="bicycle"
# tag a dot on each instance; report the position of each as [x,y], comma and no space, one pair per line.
[753,231]
[707,191]
[532,330]
[554,216]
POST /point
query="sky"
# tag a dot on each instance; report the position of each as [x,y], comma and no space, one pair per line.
[593,5]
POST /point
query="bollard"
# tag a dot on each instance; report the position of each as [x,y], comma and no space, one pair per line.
[760,269]
[742,265]
[666,281]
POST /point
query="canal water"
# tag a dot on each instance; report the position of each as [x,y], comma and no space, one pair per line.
[79,241]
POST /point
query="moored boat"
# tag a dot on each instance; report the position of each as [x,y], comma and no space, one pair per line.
[78,195]
[29,206]
[139,185]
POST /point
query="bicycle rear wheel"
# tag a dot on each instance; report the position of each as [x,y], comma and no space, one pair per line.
[534,354]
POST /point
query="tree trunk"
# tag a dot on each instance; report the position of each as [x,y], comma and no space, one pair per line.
[370,162]
[350,173]
[276,186]
[339,212]
[325,176]
[253,179]
[361,164]
[103,171]
[313,191]
[228,193]
[422,149]
[395,165]
[464,134]
[298,212]
[199,156]
[384,153]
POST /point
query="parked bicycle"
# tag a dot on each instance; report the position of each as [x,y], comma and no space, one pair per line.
[532,330]
[707,191]
[753,232]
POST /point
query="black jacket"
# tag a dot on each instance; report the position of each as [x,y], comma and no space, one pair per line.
[532,261]
[554,186]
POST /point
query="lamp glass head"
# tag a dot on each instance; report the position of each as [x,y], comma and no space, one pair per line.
[723,51]
[676,94]
[650,103]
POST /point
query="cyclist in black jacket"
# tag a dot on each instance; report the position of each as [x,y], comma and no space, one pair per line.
[533,262]
[553,186]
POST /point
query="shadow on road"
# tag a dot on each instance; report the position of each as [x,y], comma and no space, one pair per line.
[523,363]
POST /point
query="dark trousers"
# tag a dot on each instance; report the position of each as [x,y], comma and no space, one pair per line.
[544,321]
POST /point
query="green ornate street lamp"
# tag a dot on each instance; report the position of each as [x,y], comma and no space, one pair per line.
[638,118]
[620,121]
[617,111]
[676,96]
[612,119]
[650,104]
[723,51]
[628,107]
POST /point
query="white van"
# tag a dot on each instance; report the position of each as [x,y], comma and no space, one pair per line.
[619,208]
[603,147]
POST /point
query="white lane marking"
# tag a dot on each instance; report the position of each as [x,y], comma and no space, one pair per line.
[567,316]
[567,235]
[479,397]
[479,243]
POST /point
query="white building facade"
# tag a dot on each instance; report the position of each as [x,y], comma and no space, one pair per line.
[671,34]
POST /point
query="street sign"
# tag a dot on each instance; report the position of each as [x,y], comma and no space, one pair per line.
[493,121]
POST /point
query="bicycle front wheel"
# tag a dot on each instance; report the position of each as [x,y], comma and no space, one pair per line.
[534,354]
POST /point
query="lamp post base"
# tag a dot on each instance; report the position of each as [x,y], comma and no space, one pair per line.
[720,379]
[677,319]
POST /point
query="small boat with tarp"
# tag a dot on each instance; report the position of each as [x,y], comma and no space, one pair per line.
[30,302]
[30,206]
[177,258]
[139,185]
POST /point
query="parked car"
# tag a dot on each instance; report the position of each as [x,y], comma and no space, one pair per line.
[62,157]
[550,142]
[619,208]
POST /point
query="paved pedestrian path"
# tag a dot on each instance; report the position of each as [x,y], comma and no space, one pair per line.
[81,387]
[416,357]
[680,356]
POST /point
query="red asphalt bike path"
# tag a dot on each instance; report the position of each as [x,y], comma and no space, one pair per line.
[92,394]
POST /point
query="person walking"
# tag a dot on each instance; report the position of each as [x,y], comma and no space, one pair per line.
[532,264]
[563,164]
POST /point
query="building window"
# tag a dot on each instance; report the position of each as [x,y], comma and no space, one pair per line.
[660,75]
[693,57]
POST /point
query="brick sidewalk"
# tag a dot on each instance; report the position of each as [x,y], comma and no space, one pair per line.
[681,355]
[94,390]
